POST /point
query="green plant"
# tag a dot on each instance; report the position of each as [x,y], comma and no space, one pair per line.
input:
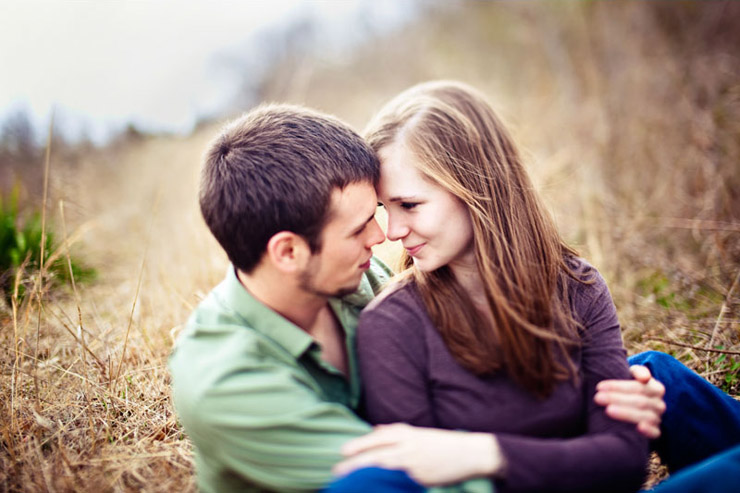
[20,245]
[731,369]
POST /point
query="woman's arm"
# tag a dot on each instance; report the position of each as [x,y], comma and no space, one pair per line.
[431,456]
[609,455]
[639,401]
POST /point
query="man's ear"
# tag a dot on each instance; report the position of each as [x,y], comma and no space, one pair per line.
[288,252]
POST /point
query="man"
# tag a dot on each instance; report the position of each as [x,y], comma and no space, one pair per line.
[263,381]
[264,375]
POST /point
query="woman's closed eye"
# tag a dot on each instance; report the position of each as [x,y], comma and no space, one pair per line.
[408,205]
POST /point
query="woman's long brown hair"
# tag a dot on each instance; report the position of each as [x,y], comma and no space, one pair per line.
[461,145]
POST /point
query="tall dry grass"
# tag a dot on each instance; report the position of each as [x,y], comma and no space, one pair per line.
[629,114]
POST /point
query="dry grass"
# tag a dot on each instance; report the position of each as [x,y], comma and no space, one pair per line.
[89,409]
[629,114]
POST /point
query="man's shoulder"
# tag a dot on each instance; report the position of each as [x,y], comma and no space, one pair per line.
[217,342]
[211,344]
[378,274]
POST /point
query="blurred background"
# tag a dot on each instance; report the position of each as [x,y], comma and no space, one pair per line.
[628,114]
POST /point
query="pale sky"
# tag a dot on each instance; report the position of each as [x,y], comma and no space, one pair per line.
[155,62]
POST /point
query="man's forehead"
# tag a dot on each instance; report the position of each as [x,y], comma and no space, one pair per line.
[353,204]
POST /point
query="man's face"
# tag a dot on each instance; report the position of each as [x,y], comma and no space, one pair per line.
[346,242]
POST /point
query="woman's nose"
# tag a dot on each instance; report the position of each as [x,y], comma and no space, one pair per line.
[397,228]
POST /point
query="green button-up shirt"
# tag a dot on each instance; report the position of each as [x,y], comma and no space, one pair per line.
[263,409]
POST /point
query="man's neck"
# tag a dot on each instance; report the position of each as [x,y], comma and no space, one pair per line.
[310,312]
[285,297]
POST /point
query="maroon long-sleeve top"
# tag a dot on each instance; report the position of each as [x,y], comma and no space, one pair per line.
[562,443]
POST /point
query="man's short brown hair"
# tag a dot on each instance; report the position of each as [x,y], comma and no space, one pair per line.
[274,169]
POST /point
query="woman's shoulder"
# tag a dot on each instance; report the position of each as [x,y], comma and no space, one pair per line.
[581,274]
[394,331]
[401,292]
[587,288]
[398,307]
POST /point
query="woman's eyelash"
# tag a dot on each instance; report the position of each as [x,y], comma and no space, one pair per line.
[403,205]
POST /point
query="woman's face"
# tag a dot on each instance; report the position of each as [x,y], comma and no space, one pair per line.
[433,225]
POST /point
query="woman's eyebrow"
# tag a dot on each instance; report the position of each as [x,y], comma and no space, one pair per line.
[401,198]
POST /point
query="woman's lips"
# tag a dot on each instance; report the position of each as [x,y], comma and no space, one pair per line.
[366,265]
[414,250]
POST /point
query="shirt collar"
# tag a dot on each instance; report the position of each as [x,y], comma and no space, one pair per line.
[360,298]
[262,318]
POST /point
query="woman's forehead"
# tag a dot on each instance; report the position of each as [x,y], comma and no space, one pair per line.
[399,171]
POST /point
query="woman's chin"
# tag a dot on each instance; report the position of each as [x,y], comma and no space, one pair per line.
[425,265]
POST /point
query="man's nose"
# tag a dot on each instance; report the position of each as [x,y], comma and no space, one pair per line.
[376,235]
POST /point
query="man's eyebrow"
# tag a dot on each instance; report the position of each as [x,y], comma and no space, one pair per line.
[362,226]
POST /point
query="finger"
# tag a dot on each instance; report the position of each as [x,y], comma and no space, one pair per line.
[632,415]
[381,436]
[640,373]
[376,457]
[626,386]
[605,398]
[636,401]
[641,403]
[649,430]
[655,389]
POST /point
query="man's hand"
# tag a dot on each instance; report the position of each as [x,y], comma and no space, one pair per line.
[430,456]
[638,401]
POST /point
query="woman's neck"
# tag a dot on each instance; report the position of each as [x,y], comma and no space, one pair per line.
[467,274]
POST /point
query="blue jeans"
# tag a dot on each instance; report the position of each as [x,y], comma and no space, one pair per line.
[699,442]
[718,474]
[375,479]
[700,420]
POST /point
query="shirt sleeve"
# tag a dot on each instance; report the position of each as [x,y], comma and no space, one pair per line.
[373,281]
[266,427]
[378,274]
[610,455]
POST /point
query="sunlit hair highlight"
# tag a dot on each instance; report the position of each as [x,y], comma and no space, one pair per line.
[462,146]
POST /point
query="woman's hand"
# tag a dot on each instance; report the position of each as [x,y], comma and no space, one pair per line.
[430,456]
[638,401]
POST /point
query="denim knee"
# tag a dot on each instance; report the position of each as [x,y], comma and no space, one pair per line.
[700,420]
[718,474]
[660,364]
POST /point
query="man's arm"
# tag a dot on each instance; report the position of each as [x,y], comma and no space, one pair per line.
[263,426]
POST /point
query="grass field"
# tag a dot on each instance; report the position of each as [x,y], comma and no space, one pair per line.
[628,113]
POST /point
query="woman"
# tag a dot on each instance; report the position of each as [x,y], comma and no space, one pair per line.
[496,326]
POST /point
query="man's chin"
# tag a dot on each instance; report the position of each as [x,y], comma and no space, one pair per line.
[344,292]
[340,292]
[337,293]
